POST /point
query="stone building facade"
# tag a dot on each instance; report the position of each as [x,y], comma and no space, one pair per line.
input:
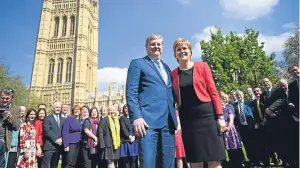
[67,36]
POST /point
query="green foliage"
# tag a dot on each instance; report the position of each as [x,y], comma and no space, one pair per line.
[14,82]
[291,51]
[237,62]
[21,92]
[35,100]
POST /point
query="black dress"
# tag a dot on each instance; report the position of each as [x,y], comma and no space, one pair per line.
[200,132]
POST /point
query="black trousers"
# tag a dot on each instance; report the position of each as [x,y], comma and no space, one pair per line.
[259,148]
[39,160]
[246,134]
[290,142]
[51,158]
[128,162]
[236,158]
[12,160]
[89,160]
[273,138]
[71,155]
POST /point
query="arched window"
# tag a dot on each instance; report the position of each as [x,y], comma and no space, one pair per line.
[59,70]
[64,29]
[72,28]
[69,70]
[51,71]
[56,27]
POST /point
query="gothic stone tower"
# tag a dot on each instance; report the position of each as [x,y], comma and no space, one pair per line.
[67,43]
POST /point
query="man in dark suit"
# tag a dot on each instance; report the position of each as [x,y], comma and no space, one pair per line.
[151,108]
[52,127]
[244,122]
[293,103]
[272,98]
[259,149]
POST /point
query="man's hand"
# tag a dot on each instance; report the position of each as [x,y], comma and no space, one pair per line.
[256,126]
[268,111]
[7,114]
[139,127]
[291,105]
[59,141]
[67,149]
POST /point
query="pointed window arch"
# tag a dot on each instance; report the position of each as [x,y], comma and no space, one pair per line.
[59,70]
[51,71]
[69,70]
[72,28]
[64,28]
[56,26]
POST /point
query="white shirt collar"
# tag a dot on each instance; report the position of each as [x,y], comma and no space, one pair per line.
[153,60]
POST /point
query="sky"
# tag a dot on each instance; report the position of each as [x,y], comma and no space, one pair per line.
[125,24]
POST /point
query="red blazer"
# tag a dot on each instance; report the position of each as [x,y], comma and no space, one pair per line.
[203,83]
[38,125]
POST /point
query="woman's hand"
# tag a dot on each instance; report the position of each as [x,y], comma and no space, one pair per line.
[222,125]
[39,152]
[66,149]
[230,125]
[26,155]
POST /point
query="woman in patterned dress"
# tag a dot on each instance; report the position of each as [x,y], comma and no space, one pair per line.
[232,141]
[27,157]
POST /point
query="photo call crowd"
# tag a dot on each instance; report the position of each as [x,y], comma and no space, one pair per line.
[172,118]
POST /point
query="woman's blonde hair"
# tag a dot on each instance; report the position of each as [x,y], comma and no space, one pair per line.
[225,98]
[182,41]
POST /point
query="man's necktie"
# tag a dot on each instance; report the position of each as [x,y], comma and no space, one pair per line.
[57,120]
[242,116]
[268,93]
[258,108]
[162,72]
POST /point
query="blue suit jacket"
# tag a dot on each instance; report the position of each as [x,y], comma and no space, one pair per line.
[248,114]
[147,95]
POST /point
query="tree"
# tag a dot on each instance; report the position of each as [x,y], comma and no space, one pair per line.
[21,92]
[291,51]
[34,100]
[237,62]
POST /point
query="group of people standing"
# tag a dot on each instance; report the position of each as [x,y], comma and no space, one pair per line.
[269,128]
[208,122]
[82,138]
[169,115]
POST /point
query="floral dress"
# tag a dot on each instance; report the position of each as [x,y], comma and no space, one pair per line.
[27,145]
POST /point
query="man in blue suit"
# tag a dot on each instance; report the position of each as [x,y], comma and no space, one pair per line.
[151,106]
[244,121]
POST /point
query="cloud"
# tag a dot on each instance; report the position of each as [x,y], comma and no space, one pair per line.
[273,43]
[248,9]
[290,25]
[204,35]
[111,74]
[184,2]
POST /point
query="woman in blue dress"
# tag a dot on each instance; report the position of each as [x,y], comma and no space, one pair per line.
[129,146]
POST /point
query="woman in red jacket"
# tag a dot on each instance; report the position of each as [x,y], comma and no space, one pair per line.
[200,108]
[40,115]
